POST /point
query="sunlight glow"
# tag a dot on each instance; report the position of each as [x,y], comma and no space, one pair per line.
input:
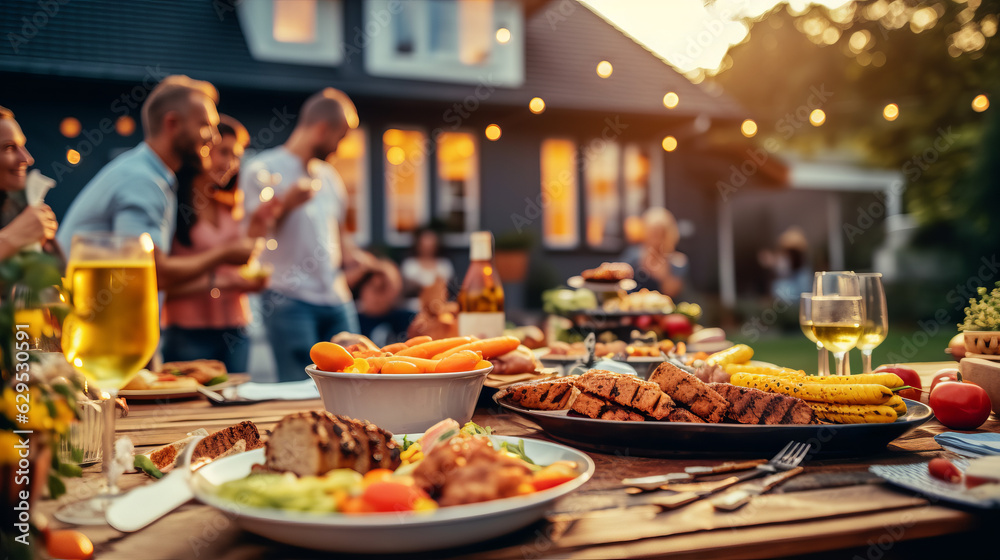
[690,35]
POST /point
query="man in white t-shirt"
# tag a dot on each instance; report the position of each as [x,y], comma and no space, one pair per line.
[309,299]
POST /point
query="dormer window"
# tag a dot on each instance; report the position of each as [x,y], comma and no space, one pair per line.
[294,31]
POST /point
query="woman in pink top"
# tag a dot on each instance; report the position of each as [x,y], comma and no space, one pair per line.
[207,317]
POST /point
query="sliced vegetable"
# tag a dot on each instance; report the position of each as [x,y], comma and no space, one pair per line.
[553,475]
[389,496]
[943,469]
[853,413]
[829,393]
[736,354]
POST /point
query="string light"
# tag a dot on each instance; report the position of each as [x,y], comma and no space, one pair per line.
[890,112]
[73,157]
[536,105]
[670,100]
[604,69]
[669,144]
[70,127]
[749,128]
[503,35]
[817,117]
[493,132]
[980,103]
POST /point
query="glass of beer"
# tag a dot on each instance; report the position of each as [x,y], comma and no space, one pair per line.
[876,323]
[837,314]
[111,332]
[806,324]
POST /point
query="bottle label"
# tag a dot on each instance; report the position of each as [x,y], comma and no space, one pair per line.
[483,325]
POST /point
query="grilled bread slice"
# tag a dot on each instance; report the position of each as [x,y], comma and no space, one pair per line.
[594,406]
[691,392]
[628,391]
[753,406]
[557,394]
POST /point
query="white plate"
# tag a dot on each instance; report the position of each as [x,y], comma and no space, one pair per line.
[175,393]
[391,532]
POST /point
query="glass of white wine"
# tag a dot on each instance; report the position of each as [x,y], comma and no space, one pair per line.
[111,332]
[806,324]
[837,314]
[875,326]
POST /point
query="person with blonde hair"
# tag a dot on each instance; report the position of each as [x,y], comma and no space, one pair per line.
[136,192]
[657,263]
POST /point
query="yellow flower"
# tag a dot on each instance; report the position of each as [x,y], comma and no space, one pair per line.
[37,415]
[64,416]
[8,455]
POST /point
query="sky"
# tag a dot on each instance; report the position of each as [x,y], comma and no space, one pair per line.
[688,34]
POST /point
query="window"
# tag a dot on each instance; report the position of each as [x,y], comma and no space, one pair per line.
[560,227]
[602,199]
[404,155]
[351,162]
[445,40]
[295,31]
[457,185]
[636,173]
[294,21]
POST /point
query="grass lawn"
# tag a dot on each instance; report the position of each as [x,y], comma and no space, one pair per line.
[903,344]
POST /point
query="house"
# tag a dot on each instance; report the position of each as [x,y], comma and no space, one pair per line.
[514,116]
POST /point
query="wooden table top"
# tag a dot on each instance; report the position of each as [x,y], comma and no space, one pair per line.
[865,518]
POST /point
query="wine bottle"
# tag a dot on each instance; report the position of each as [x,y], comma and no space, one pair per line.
[480,302]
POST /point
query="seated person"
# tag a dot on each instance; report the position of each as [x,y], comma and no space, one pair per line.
[657,263]
[376,296]
[20,225]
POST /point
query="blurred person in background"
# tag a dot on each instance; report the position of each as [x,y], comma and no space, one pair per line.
[309,299]
[426,266]
[136,193]
[207,317]
[656,262]
[20,225]
[377,295]
[789,265]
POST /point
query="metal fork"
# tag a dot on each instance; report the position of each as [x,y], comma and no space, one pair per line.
[788,458]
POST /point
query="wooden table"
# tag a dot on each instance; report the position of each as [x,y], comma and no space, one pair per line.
[869,520]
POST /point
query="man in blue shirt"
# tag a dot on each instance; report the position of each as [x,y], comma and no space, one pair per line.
[136,193]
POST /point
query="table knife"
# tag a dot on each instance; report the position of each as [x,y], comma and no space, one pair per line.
[736,498]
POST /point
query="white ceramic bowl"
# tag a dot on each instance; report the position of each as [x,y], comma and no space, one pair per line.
[401,403]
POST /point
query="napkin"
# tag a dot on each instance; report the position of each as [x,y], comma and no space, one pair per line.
[970,445]
[287,391]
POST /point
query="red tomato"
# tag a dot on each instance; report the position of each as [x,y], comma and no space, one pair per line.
[909,377]
[946,374]
[554,475]
[960,406]
[676,326]
[392,496]
[942,469]
[376,475]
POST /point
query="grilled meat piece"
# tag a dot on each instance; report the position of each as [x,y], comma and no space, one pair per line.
[594,406]
[625,390]
[753,406]
[691,392]
[315,442]
[684,415]
[557,394]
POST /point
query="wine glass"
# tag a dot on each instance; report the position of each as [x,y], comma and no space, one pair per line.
[806,324]
[111,332]
[837,314]
[875,326]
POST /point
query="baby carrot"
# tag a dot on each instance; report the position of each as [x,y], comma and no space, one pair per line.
[418,340]
[465,360]
[393,348]
[490,347]
[425,366]
[330,357]
[429,349]
[399,366]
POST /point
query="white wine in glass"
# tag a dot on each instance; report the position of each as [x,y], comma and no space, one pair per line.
[111,332]
[806,324]
[875,326]
[837,314]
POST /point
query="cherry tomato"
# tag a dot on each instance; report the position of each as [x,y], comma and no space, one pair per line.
[909,377]
[376,475]
[946,374]
[69,544]
[960,406]
[554,475]
[388,496]
[942,469]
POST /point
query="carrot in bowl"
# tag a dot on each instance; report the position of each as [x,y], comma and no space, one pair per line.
[429,349]
[490,347]
[465,360]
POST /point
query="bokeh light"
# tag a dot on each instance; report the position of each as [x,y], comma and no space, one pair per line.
[503,35]
[395,155]
[890,112]
[493,132]
[125,125]
[670,100]
[70,127]
[980,103]
[604,69]
[669,144]
[817,117]
[749,128]
[73,157]
[536,105]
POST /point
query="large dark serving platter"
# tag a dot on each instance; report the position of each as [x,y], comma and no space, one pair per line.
[665,439]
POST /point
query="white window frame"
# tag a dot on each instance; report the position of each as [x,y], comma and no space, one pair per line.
[472,198]
[256,19]
[362,198]
[394,238]
[505,65]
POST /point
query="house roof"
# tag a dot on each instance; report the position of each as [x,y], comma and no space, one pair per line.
[128,41]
